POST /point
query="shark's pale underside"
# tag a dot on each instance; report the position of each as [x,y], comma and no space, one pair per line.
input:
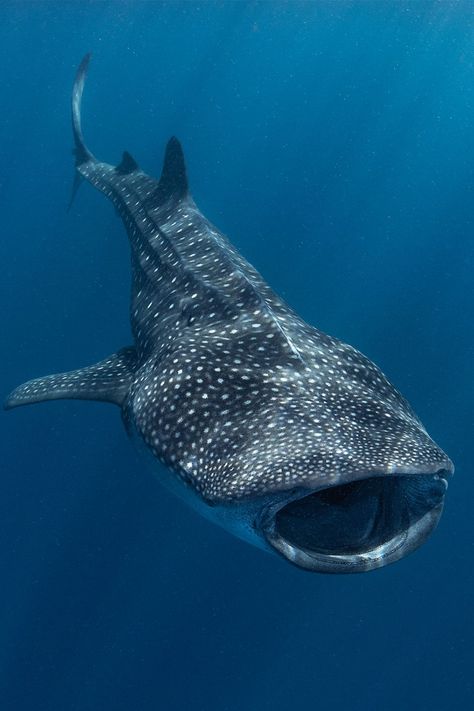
[288,437]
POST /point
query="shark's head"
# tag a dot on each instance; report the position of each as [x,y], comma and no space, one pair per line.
[338,485]
[335,517]
[325,464]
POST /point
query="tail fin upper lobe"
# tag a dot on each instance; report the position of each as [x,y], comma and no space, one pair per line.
[81,152]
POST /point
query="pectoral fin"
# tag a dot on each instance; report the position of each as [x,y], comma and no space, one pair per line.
[108,381]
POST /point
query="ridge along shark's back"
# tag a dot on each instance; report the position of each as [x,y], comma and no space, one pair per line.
[290,438]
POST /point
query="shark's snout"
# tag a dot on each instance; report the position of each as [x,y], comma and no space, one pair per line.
[359,525]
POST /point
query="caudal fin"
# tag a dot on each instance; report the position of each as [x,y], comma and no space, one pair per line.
[81,151]
[173,183]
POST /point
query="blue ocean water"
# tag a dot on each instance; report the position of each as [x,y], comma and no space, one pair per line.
[333,142]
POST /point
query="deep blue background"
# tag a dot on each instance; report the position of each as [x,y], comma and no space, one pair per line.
[334,143]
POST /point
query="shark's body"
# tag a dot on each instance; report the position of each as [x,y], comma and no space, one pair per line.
[290,438]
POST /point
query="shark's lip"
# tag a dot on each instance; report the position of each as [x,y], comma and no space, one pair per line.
[418,493]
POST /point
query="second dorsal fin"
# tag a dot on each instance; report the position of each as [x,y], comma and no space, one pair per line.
[127,165]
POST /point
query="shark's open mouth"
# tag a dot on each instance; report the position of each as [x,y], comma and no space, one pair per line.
[359,525]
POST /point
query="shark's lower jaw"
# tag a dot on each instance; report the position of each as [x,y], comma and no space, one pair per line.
[360,525]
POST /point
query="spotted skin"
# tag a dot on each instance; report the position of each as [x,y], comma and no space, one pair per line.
[225,384]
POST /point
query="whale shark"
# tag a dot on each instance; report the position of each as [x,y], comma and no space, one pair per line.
[282,434]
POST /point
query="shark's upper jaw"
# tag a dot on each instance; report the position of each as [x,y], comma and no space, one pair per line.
[362,524]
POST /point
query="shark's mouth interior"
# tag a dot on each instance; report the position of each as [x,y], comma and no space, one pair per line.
[359,525]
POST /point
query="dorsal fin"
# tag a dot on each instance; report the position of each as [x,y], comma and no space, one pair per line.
[173,182]
[127,165]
